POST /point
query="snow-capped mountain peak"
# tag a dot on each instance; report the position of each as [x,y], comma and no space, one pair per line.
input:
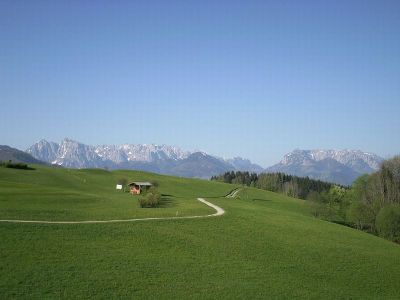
[341,166]
[149,157]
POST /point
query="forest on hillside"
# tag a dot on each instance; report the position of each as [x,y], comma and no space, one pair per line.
[371,204]
[293,186]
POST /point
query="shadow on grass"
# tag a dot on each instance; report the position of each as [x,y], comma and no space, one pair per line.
[167,195]
[343,223]
[167,202]
[186,197]
[264,200]
[213,197]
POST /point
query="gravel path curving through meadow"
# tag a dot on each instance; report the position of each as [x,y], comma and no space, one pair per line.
[219,212]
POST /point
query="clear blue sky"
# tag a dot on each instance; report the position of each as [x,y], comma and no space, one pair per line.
[249,78]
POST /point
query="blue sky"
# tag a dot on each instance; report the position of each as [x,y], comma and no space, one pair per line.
[250,78]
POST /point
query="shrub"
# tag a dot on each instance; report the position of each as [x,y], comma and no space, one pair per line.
[151,198]
[143,201]
[388,223]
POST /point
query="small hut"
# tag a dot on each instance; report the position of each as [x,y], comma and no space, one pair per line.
[137,187]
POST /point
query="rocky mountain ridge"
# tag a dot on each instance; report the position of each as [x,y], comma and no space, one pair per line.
[148,157]
[339,166]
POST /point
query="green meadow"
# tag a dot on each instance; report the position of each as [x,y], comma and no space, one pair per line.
[266,245]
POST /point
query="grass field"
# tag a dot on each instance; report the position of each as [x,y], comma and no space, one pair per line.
[70,194]
[266,244]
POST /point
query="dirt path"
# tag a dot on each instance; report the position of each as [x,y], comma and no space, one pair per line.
[219,212]
[233,193]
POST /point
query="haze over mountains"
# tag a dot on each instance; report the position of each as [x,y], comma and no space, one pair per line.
[339,166]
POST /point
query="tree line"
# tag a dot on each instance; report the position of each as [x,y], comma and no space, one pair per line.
[294,186]
[371,204]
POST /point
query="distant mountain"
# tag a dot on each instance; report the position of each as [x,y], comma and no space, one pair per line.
[202,165]
[242,164]
[44,151]
[7,153]
[339,166]
[162,159]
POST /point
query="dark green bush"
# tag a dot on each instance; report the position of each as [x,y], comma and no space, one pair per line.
[18,165]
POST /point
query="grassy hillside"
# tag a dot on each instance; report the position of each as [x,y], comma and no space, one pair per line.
[70,194]
[266,245]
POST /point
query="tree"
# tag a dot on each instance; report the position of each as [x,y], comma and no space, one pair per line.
[359,215]
[388,222]
[315,204]
[389,179]
[123,181]
[360,211]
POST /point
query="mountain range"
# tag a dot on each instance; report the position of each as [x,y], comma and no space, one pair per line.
[162,159]
[338,166]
